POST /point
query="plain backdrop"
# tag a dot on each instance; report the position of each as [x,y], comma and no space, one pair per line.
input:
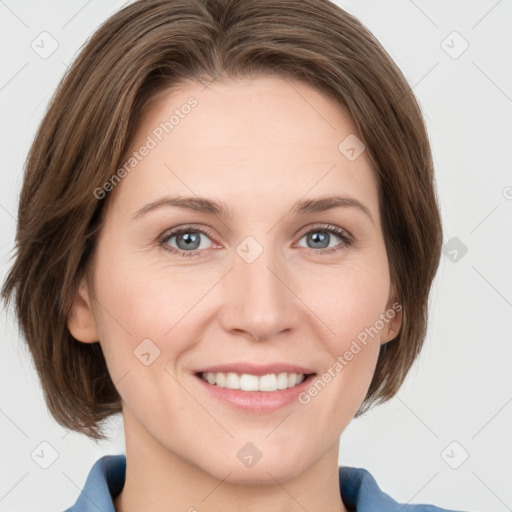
[445,438]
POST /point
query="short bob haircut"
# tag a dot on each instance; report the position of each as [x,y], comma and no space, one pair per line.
[147,48]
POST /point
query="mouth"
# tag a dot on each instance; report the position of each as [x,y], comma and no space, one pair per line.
[269,383]
[254,387]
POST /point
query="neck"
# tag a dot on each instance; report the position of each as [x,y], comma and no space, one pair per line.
[158,480]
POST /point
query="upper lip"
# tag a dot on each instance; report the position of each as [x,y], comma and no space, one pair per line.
[255,369]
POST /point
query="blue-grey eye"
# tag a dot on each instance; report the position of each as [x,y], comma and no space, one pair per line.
[321,238]
[187,239]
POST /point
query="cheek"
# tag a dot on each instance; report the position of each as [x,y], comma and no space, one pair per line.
[144,333]
[348,299]
[352,309]
[141,302]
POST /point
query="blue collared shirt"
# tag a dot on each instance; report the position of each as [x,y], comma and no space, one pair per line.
[358,488]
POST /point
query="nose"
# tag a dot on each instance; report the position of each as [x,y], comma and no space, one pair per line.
[258,297]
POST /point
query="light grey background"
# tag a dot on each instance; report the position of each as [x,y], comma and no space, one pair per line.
[457,400]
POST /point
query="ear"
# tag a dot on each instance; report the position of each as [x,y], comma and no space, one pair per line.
[81,321]
[393,320]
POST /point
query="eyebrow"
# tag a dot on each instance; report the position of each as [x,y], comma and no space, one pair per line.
[219,209]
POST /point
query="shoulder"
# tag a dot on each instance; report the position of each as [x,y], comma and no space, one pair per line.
[361,493]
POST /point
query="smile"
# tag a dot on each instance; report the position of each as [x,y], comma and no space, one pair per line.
[257,394]
[248,382]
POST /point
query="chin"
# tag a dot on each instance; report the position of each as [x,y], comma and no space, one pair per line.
[264,471]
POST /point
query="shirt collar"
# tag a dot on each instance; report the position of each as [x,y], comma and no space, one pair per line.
[358,488]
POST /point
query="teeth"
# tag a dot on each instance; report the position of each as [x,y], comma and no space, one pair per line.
[247,382]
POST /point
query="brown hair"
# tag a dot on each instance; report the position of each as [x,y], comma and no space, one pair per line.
[147,48]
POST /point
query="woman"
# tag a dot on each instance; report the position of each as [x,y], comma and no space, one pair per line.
[228,231]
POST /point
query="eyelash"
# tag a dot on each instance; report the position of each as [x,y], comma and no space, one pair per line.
[346,238]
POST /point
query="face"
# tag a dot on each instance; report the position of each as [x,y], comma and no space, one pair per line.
[179,290]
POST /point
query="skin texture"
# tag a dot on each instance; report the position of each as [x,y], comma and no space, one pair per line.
[258,145]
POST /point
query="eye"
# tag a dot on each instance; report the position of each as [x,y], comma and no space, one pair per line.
[188,241]
[321,237]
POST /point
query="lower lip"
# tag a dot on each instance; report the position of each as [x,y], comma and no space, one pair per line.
[257,401]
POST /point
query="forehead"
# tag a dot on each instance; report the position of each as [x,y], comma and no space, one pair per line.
[248,142]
